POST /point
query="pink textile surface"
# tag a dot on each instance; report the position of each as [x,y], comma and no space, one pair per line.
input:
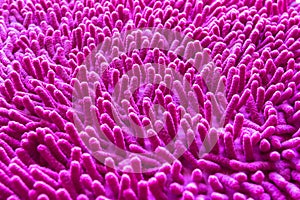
[145,99]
